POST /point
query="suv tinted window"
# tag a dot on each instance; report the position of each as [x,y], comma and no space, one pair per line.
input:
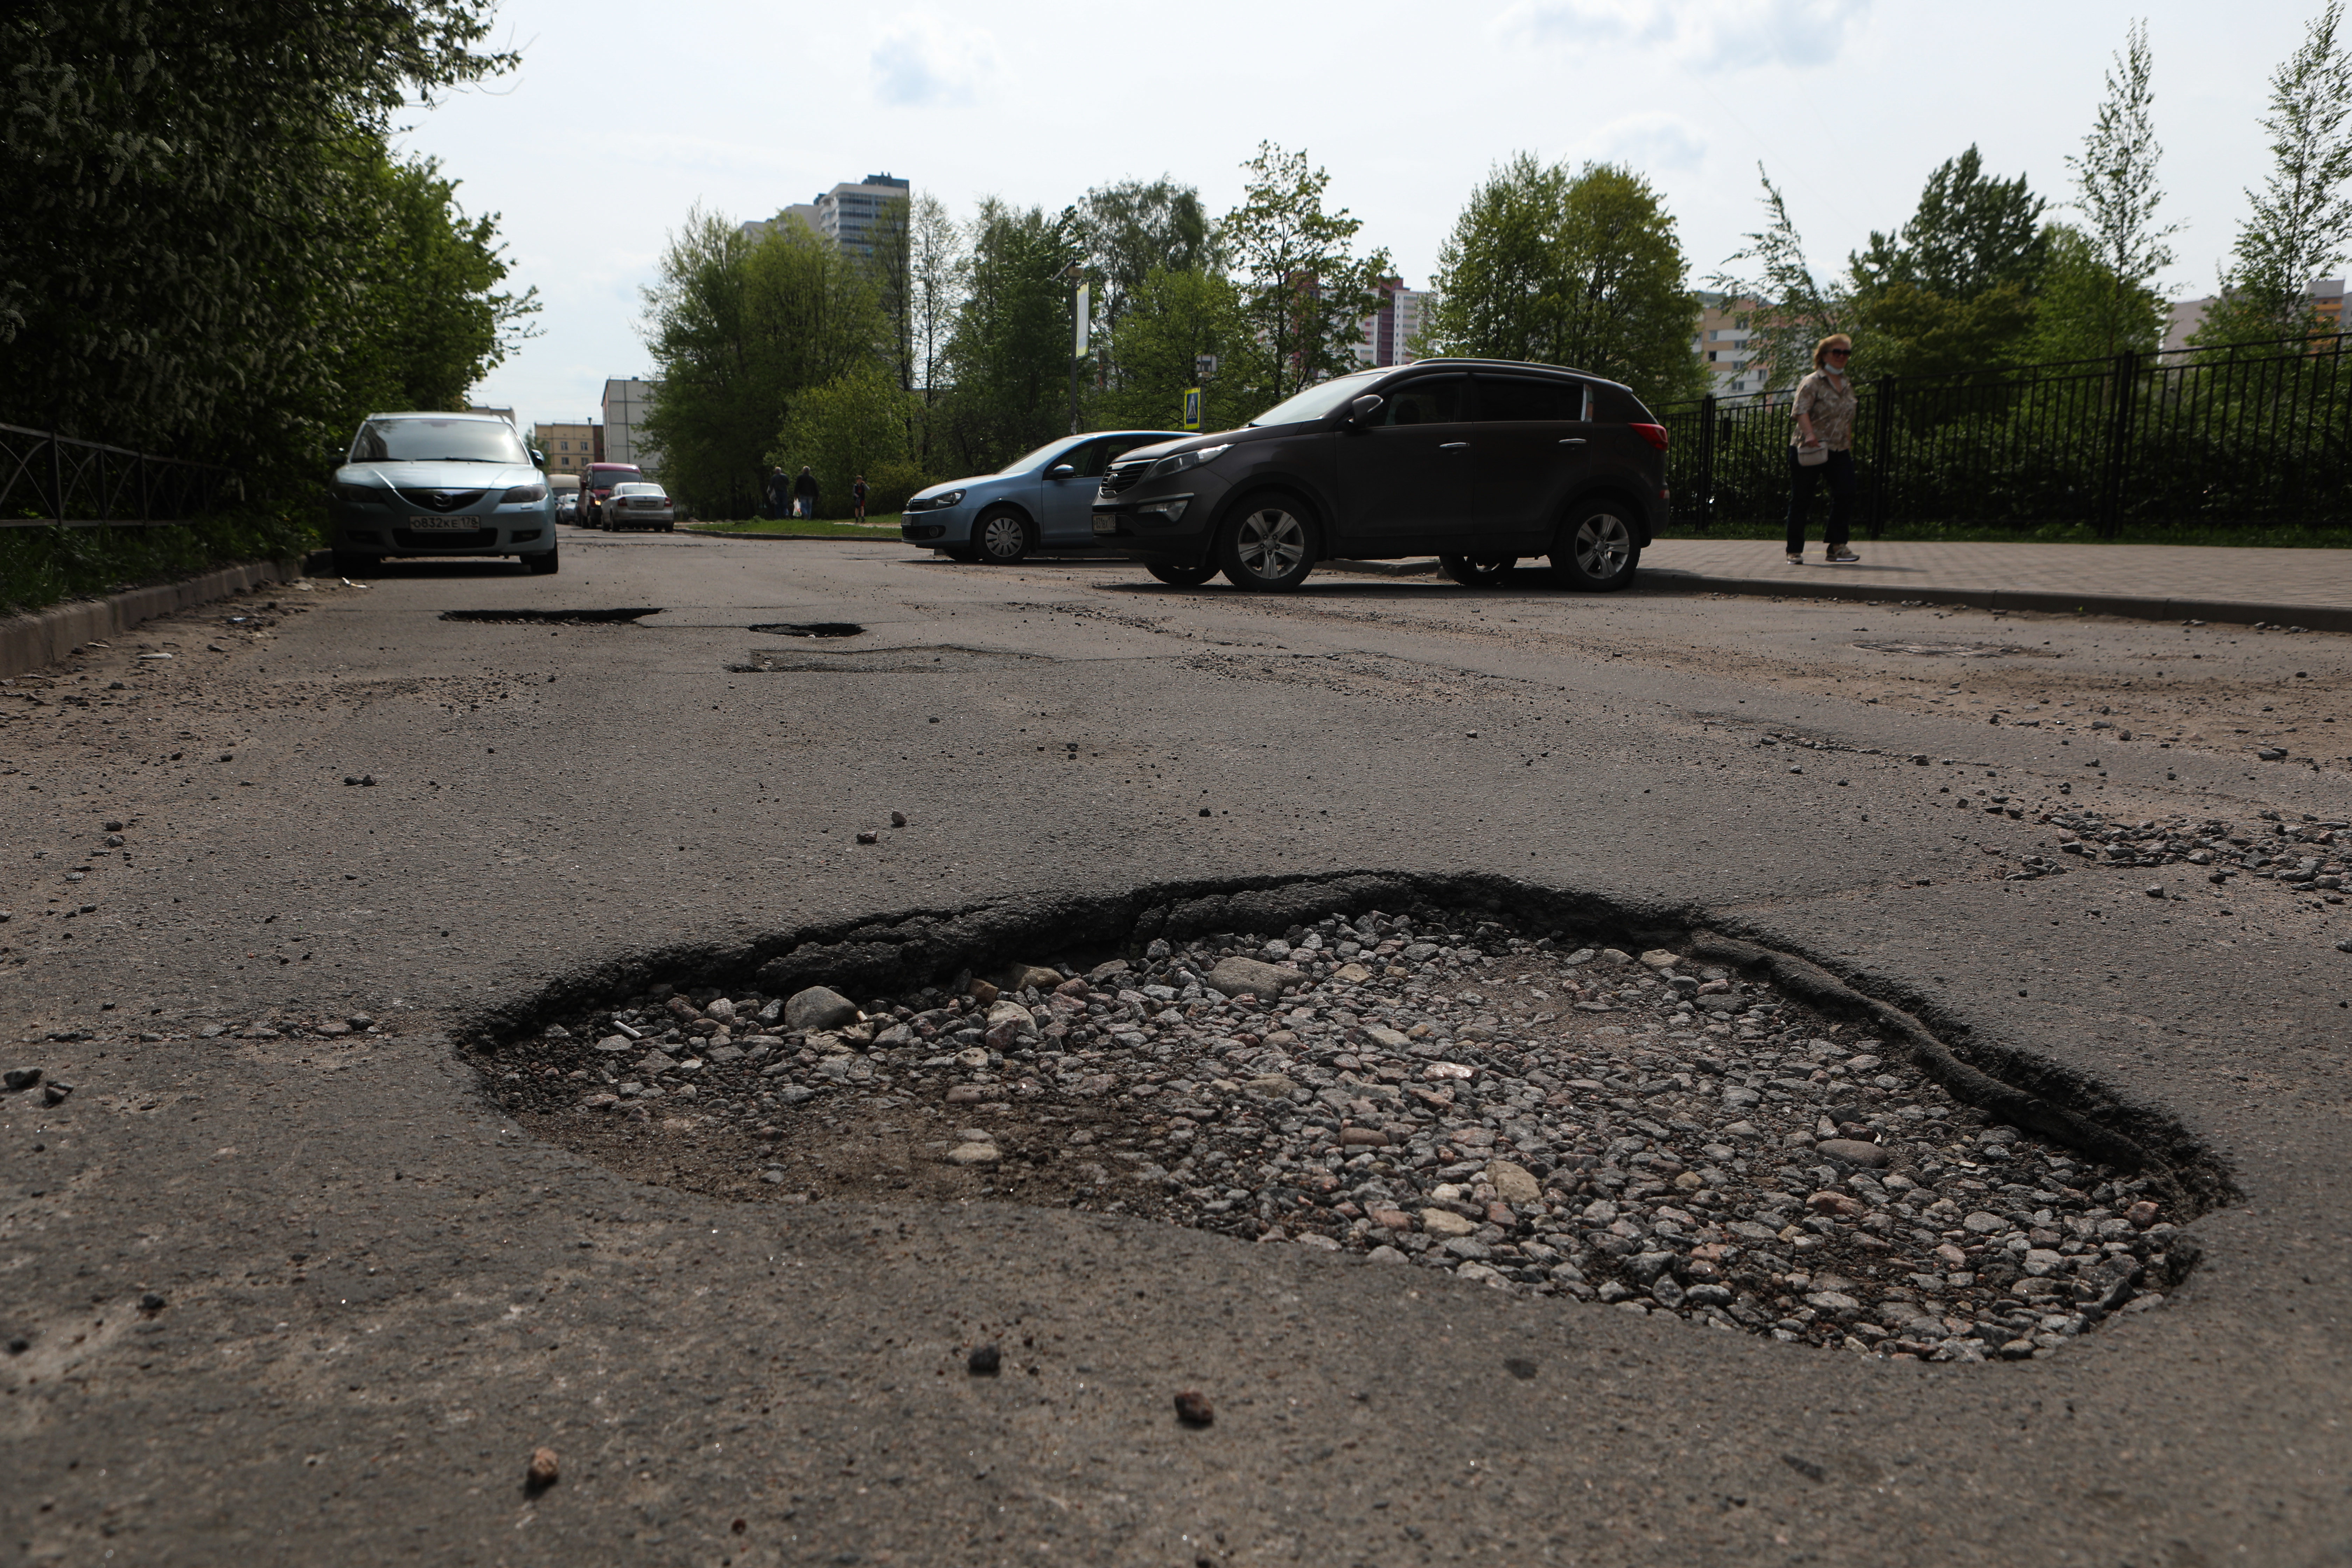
[1525,397]
[1615,405]
[1431,400]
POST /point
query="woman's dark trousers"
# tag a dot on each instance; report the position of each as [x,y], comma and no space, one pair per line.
[1802,481]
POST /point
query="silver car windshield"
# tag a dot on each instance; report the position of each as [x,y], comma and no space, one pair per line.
[430,440]
[1316,402]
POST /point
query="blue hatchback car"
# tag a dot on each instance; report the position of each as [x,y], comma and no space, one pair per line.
[1041,500]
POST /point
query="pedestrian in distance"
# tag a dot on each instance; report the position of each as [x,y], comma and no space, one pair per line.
[779,492]
[804,493]
[858,497]
[1822,448]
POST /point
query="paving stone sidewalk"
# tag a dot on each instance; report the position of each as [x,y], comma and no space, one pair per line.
[2308,588]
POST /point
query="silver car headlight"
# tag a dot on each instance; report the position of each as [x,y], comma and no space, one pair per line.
[361,495]
[523,493]
[935,503]
[1183,460]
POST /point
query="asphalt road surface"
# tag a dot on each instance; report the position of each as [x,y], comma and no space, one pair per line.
[279,1297]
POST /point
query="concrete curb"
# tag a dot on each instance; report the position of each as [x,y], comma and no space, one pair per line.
[31,642]
[2310,618]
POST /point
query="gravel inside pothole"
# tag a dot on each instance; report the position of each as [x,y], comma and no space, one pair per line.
[1629,1127]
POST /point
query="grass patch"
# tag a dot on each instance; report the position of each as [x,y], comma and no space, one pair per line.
[2252,535]
[43,566]
[881,525]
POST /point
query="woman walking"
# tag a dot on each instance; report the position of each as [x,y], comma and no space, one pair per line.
[1822,447]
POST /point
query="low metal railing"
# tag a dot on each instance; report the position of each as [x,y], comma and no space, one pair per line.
[49,481]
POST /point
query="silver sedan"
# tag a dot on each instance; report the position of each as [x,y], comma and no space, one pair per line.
[640,505]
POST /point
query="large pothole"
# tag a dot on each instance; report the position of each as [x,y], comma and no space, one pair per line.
[1666,1127]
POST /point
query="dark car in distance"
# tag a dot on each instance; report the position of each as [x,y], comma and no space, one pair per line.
[1481,463]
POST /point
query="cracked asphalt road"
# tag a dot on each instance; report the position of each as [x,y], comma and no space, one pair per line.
[377,1298]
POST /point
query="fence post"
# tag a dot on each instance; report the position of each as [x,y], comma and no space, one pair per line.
[1884,455]
[56,479]
[1707,463]
[2111,497]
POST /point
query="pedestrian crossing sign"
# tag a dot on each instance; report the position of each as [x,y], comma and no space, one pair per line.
[1192,420]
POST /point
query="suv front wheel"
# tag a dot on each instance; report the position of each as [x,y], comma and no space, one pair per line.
[1269,547]
[1596,552]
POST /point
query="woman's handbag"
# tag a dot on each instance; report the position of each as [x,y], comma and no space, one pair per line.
[1811,457]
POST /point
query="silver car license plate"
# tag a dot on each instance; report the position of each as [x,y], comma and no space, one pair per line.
[464,524]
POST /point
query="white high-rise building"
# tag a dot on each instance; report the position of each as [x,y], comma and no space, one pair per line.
[1724,344]
[1389,331]
[625,403]
[845,214]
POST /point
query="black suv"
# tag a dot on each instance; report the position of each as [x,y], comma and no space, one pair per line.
[1477,462]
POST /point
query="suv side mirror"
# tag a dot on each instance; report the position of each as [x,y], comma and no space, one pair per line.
[1364,407]
[1062,471]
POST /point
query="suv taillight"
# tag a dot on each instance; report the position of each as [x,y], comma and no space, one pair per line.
[1656,435]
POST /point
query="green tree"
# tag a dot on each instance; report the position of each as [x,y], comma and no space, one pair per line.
[737,327]
[2076,314]
[1172,320]
[1303,294]
[1577,268]
[1787,309]
[854,423]
[2117,194]
[2302,220]
[1953,289]
[937,268]
[198,200]
[427,317]
[1972,233]
[1008,356]
[1132,229]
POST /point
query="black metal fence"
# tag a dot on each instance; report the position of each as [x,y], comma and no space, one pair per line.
[49,481]
[2249,433]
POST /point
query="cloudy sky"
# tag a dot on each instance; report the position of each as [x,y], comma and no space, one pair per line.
[622,116]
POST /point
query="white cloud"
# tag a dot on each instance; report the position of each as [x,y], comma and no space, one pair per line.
[1643,142]
[1713,33]
[928,61]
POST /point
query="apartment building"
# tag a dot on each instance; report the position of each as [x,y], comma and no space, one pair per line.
[626,401]
[846,215]
[2188,315]
[1724,344]
[570,449]
[1389,331]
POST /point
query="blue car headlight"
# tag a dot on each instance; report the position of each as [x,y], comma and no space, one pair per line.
[358,495]
[1183,460]
[935,503]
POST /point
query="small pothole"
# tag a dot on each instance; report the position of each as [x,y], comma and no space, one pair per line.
[1644,1126]
[881,661]
[1954,649]
[811,628]
[550,617]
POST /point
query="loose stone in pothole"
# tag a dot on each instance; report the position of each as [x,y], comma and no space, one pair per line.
[1546,1116]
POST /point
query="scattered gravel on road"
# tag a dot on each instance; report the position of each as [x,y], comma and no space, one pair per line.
[1635,1127]
[2309,856]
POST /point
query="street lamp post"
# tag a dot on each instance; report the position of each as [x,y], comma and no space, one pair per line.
[1078,327]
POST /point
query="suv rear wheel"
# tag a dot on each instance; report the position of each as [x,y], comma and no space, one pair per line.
[1003,538]
[1478,572]
[1269,546]
[1181,576]
[1596,553]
